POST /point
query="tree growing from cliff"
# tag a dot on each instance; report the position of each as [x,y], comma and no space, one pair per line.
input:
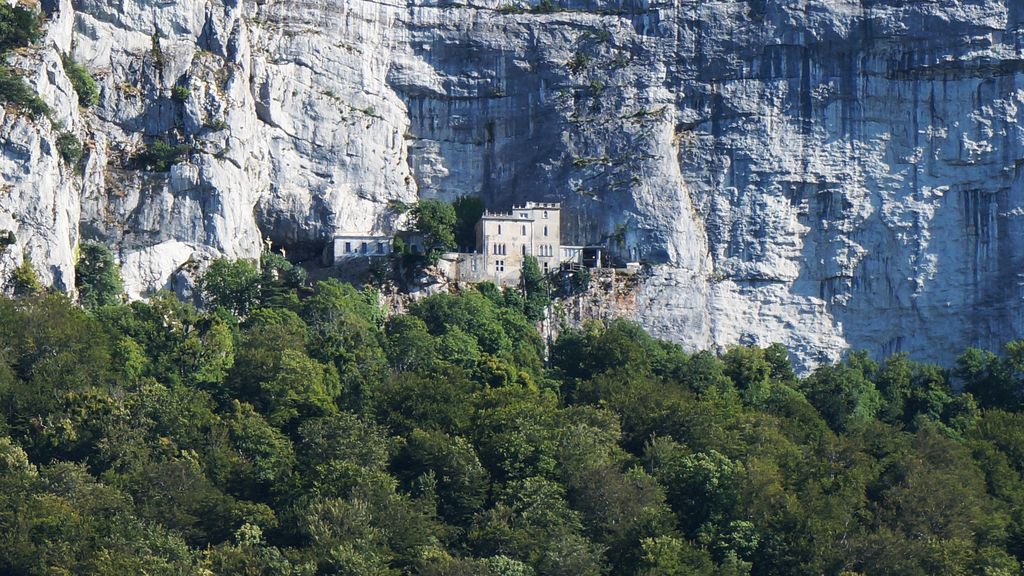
[97,276]
[468,210]
[25,280]
[535,289]
[434,221]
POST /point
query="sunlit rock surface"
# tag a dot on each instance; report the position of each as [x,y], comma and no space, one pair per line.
[828,174]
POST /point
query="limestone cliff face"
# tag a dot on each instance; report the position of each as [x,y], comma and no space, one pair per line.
[826,173]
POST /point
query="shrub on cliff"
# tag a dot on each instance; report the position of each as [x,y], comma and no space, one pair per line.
[14,91]
[19,26]
[85,86]
[160,155]
[70,148]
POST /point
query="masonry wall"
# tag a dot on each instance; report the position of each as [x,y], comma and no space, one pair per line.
[547,234]
[503,244]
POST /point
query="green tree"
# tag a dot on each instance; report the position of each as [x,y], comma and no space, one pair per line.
[983,375]
[702,488]
[161,154]
[257,460]
[345,329]
[338,452]
[535,289]
[25,280]
[460,481]
[750,372]
[273,372]
[279,281]
[468,210]
[250,555]
[70,148]
[672,556]
[471,312]
[844,394]
[435,222]
[409,345]
[232,284]
[97,276]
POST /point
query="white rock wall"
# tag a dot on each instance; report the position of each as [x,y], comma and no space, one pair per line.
[825,173]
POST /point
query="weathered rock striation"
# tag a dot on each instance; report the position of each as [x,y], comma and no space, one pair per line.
[825,173]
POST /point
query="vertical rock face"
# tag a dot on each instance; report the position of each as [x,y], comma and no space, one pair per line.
[825,173]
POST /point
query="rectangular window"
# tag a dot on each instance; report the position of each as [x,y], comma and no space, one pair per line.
[499,265]
[524,230]
[499,228]
[362,248]
[348,247]
[524,249]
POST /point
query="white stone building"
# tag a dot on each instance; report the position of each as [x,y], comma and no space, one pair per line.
[503,240]
[349,246]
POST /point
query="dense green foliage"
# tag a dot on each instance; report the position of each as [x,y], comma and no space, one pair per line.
[97,276]
[82,81]
[180,93]
[435,222]
[161,154]
[535,289]
[468,210]
[14,91]
[239,286]
[297,431]
[19,27]
[24,280]
[70,148]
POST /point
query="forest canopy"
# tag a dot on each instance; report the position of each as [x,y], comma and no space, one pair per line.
[296,429]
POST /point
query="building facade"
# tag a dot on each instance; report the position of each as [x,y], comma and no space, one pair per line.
[348,246]
[504,240]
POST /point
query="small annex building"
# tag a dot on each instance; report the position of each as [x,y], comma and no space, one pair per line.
[354,245]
